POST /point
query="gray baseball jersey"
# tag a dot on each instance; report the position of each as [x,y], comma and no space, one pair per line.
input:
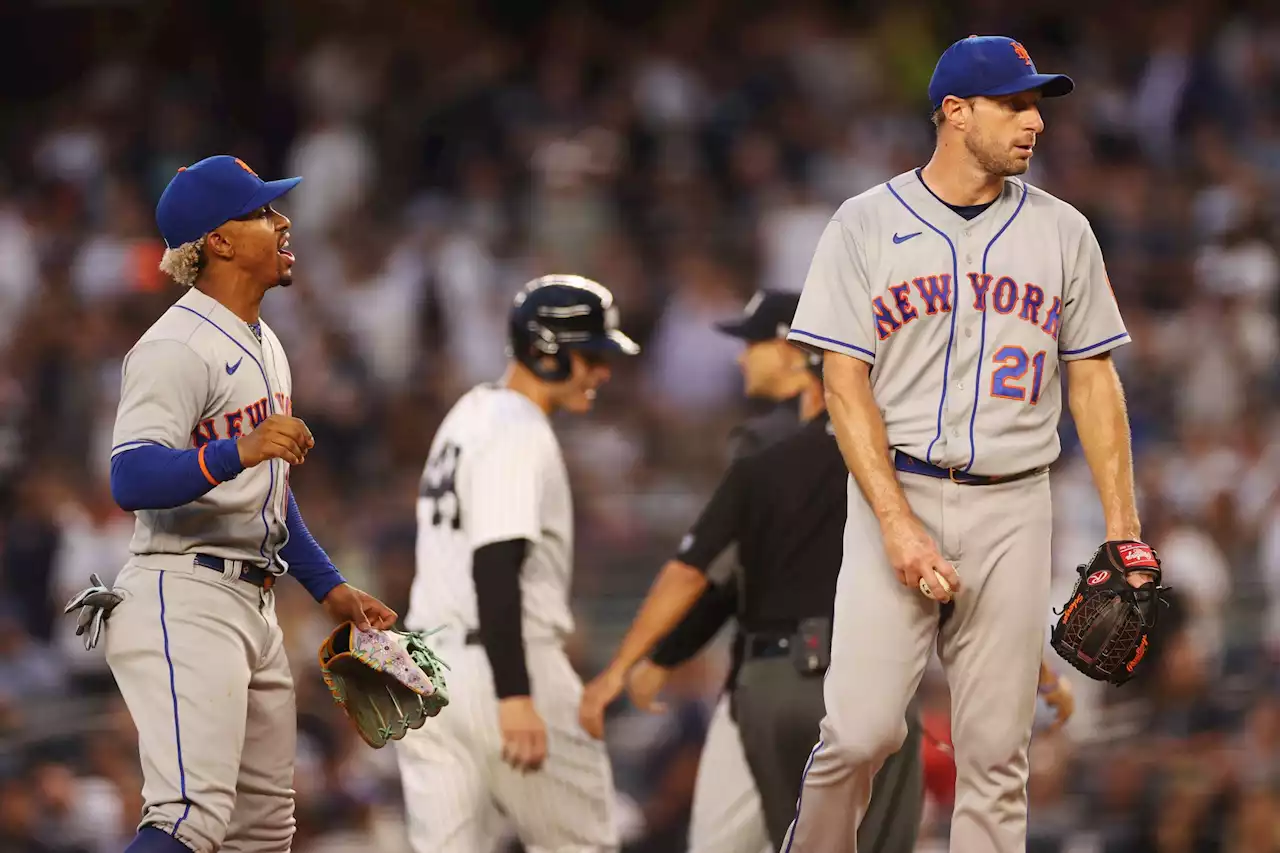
[964,321]
[198,654]
[199,374]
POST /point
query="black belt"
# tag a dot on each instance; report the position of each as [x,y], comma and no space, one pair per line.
[256,575]
[808,646]
[767,645]
[912,465]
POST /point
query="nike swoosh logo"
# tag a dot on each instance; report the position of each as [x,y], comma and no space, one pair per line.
[232,368]
[905,237]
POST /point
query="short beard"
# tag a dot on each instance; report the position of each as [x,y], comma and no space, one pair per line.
[1002,167]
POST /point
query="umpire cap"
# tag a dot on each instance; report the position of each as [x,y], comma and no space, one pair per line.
[556,314]
[768,317]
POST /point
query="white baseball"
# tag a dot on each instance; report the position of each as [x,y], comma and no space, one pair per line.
[928,592]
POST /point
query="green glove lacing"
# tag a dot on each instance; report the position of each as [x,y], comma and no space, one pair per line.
[432,665]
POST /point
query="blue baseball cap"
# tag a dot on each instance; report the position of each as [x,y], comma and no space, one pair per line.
[988,66]
[204,195]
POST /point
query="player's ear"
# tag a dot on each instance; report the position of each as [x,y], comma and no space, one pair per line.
[219,246]
[955,111]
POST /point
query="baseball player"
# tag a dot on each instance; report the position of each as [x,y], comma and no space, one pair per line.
[203,443]
[782,505]
[944,301]
[495,557]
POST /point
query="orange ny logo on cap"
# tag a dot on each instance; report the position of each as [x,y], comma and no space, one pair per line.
[1021,52]
[243,165]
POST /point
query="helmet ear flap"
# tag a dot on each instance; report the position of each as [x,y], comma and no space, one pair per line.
[542,353]
[544,340]
[547,349]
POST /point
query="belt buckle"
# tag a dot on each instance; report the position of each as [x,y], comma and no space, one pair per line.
[951,474]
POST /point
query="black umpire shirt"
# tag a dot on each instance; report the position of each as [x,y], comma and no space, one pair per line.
[719,601]
[785,507]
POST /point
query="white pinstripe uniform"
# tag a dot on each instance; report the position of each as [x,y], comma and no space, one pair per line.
[727,816]
[495,473]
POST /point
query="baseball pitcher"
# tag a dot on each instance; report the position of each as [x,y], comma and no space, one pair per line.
[204,440]
[946,301]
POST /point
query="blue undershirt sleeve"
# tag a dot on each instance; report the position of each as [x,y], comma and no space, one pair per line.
[152,476]
[307,561]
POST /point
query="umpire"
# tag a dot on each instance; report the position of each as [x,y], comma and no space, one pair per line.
[782,504]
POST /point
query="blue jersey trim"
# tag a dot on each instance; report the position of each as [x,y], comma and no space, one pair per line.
[955,309]
[825,340]
[982,337]
[177,728]
[1109,340]
[271,407]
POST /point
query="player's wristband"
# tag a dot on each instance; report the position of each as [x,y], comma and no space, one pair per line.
[220,460]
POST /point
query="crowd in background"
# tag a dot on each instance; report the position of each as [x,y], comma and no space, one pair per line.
[683,154]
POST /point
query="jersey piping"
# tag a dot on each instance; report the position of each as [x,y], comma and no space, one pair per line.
[271,407]
[955,309]
[982,337]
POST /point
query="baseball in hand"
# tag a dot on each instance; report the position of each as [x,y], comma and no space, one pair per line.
[928,593]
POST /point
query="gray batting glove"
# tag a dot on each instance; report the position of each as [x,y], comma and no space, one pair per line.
[95,604]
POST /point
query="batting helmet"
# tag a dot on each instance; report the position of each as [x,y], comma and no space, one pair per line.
[557,314]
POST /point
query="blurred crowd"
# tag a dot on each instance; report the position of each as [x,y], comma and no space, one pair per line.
[684,154]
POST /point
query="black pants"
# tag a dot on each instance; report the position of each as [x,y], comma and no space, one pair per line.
[778,711]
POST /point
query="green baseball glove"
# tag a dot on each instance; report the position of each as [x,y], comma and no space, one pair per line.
[387,682]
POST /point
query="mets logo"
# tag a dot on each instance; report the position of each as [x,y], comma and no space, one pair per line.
[1098,577]
[1021,52]
[243,165]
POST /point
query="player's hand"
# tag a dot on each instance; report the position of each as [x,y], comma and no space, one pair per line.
[916,558]
[278,437]
[1139,578]
[1058,695]
[345,603]
[524,734]
[644,683]
[596,697]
